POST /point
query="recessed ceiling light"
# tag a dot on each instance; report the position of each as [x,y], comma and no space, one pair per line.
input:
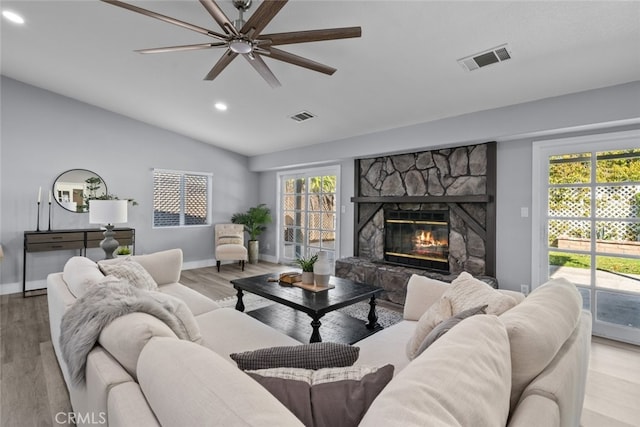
[220,106]
[13,17]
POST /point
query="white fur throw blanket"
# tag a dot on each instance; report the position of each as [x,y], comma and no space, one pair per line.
[83,322]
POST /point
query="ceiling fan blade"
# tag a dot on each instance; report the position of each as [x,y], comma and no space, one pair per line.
[312,35]
[181,48]
[165,18]
[222,63]
[258,64]
[291,58]
[219,16]
[262,16]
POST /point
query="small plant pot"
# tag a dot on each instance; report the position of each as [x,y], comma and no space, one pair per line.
[307,277]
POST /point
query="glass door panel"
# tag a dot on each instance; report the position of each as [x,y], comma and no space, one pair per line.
[593,234]
[308,215]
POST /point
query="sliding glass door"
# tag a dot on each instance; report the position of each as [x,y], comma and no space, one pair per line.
[591,227]
[308,214]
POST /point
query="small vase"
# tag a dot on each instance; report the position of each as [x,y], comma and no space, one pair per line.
[322,269]
[307,277]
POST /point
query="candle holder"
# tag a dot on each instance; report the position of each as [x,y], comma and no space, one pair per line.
[49,229]
[38,225]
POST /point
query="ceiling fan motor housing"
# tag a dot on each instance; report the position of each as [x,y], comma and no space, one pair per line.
[241,45]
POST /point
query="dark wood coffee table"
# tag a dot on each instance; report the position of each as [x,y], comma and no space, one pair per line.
[287,316]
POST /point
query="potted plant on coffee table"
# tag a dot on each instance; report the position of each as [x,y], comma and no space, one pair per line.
[255,221]
[306,264]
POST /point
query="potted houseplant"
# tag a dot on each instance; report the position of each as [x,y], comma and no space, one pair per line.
[306,264]
[123,251]
[255,221]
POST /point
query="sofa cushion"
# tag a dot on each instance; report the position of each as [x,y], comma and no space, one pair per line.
[189,385]
[538,327]
[164,266]
[125,337]
[306,356]
[463,379]
[79,273]
[444,327]
[465,292]
[197,303]
[129,270]
[387,346]
[560,388]
[228,331]
[330,397]
[422,293]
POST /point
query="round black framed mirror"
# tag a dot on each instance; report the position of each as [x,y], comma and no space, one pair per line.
[74,188]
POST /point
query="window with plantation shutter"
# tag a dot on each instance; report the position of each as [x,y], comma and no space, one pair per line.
[181,198]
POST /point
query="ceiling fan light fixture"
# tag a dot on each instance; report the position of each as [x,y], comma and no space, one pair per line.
[241,46]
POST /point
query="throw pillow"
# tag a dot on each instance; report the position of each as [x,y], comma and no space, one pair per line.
[79,273]
[463,380]
[129,270]
[330,397]
[444,327]
[307,356]
[464,292]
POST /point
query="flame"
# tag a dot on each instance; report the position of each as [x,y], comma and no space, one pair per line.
[425,239]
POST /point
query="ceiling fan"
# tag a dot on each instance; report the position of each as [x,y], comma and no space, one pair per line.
[245,37]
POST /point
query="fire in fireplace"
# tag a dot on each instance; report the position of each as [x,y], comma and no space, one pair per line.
[417,238]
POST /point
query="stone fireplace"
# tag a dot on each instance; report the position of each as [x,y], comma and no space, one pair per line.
[442,202]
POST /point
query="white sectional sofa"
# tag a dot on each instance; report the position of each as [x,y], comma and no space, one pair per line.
[524,367]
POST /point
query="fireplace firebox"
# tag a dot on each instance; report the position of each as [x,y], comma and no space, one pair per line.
[417,238]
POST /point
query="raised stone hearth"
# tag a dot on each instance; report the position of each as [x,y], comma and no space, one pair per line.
[392,278]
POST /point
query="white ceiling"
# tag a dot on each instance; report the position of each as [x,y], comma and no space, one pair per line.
[402,70]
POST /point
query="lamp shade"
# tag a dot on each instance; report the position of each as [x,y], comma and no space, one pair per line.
[107,211]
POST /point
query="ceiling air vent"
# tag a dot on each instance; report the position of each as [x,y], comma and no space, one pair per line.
[488,57]
[302,116]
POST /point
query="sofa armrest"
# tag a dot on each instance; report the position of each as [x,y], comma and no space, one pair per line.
[103,373]
[422,293]
[59,299]
[128,407]
[164,266]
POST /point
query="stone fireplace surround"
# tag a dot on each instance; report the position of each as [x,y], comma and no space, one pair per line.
[461,179]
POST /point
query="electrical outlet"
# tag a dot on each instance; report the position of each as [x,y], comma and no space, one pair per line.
[524,289]
[268,246]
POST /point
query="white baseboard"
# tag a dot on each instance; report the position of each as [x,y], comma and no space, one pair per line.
[268,258]
[189,265]
[16,287]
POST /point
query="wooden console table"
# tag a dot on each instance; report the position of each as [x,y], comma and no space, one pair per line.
[76,239]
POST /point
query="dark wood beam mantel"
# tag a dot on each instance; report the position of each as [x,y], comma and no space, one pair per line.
[482,198]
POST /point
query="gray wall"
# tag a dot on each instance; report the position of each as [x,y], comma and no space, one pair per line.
[44,134]
[514,127]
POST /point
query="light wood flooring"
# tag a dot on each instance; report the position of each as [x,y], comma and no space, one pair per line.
[32,390]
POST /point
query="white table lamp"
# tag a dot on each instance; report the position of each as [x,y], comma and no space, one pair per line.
[107,213]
